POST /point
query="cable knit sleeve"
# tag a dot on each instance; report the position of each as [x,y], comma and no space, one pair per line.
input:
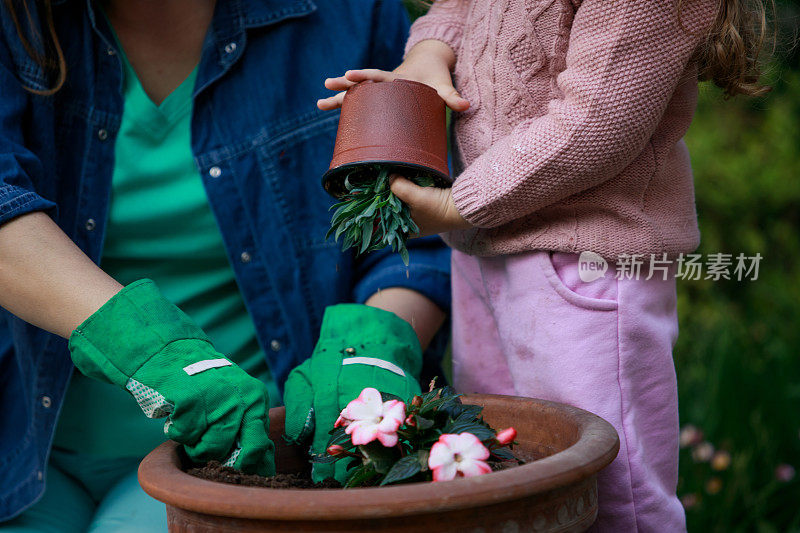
[624,61]
[444,22]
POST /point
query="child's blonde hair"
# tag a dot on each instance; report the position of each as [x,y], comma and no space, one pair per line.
[731,55]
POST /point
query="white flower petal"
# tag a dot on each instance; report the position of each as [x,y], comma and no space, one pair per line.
[445,472]
[469,447]
[473,468]
[387,439]
[394,409]
[368,405]
[440,455]
[363,433]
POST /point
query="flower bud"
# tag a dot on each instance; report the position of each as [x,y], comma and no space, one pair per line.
[335,449]
[506,436]
[411,421]
[416,401]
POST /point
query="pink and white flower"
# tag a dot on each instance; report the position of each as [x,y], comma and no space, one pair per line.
[461,455]
[368,418]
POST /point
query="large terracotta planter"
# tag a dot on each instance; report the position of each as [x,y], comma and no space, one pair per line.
[555,493]
[400,123]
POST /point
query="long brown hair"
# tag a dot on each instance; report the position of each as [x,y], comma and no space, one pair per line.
[47,53]
[732,54]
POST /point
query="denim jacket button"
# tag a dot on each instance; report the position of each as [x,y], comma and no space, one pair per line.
[245,257]
[110,51]
[230,48]
[215,172]
[90,224]
[275,345]
[46,402]
[102,134]
[39,475]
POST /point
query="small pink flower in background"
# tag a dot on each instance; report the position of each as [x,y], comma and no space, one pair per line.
[784,472]
[689,501]
[461,455]
[721,460]
[368,418]
[690,436]
[714,485]
[703,452]
[506,436]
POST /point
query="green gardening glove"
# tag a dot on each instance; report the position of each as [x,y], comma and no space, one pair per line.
[359,346]
[141,342]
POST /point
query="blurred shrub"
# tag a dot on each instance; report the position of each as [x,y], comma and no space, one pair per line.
[737,354]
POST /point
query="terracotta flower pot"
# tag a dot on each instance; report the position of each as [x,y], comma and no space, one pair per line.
[555,493]
[401,123]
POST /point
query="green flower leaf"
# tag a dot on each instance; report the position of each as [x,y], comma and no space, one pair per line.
[370,217]
[378,456]
[338,436]
[360,476]
[403,469]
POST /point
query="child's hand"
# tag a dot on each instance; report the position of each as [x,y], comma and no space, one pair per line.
[428,62]
[432,208]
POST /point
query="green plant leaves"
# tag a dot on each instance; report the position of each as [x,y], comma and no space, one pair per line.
[360,476]
[386,397]
[340,437]
[379,457]
[403,469]
[370,217]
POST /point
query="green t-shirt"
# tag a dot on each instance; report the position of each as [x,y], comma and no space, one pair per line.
[160,227]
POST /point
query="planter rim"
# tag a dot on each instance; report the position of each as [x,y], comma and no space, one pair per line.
[596,448]
[443,180]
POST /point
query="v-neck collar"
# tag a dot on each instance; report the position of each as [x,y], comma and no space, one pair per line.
[161,117]
[156,119]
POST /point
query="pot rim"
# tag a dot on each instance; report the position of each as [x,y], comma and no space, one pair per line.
[442,180]
[161,476]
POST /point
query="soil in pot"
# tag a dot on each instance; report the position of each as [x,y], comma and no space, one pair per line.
[215,471]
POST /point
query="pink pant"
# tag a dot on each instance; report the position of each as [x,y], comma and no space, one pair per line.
[527,325]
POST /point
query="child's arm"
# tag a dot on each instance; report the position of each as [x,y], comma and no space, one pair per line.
[624,62]
[429,62]
[430,56]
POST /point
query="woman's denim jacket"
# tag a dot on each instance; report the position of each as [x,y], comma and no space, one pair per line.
[261,147]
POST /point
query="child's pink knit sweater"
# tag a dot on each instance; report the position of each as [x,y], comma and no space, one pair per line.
[573,140]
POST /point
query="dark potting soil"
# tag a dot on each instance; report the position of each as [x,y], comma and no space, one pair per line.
[214,471]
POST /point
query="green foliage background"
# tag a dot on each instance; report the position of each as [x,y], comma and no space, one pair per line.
[738,354]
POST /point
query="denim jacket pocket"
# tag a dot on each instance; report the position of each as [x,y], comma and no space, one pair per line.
[302,151]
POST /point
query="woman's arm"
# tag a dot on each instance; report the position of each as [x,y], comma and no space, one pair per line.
[45,279]
[415,308]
